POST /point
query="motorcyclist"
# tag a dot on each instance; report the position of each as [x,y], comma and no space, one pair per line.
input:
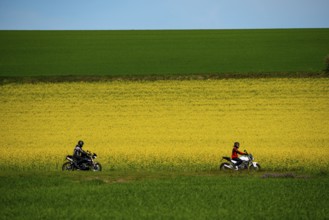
[79,155]
[235,156]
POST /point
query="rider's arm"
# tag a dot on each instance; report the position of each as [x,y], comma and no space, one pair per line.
[83,153]
[241,153]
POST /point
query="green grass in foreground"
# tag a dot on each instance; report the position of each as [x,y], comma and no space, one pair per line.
[162,196]
[162,53]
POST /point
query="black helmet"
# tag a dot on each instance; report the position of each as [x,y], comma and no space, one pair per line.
[80,143]
[236,144]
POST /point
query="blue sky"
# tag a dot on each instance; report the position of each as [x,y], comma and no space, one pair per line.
[162,14]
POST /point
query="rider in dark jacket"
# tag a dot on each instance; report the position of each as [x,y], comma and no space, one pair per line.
[235,156]
[79,155]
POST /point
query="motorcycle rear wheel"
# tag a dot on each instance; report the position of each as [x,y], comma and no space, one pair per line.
[67,166]
[223,167]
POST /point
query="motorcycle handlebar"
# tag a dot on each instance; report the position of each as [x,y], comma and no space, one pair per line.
[246,152]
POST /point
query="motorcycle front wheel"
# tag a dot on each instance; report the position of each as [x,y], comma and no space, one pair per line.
[254,168]
[67,166]
[223,166]
[97,167]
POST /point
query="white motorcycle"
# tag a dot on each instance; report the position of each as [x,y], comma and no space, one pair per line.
[247,163]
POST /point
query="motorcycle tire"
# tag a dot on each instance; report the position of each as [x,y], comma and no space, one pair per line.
[223,167]
[67,166]
[97,167]
[252,168]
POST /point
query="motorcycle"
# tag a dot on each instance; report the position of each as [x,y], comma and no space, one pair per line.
[87,164]
[247,163]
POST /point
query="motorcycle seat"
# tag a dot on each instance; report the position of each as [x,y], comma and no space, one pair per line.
[227,158]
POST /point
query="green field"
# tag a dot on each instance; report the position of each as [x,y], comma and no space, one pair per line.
[162,53]
[283,120]
[162,196]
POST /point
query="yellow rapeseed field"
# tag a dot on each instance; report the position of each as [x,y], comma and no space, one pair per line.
[166,125]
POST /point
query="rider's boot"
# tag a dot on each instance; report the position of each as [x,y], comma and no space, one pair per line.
[76,165]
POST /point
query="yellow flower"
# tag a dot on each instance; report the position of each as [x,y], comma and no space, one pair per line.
[184,125]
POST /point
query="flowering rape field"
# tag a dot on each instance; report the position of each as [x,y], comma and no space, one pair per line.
[167,125]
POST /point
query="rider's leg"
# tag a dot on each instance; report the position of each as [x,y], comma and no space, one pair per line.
[238,162]
[77,161]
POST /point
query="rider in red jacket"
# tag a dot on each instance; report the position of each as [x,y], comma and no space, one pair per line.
[235,153]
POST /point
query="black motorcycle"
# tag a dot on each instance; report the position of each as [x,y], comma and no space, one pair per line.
[87,164]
